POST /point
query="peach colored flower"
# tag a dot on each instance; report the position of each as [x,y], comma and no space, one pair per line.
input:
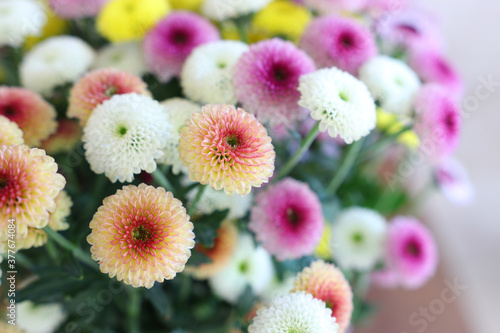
[67,136]
[10,133]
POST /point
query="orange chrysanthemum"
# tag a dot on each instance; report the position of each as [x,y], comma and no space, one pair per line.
[220,253]
[29,184]
[98,86]
[227,148]
[10,133]
[34,116]
[67,136]
[327,283]
[141,235]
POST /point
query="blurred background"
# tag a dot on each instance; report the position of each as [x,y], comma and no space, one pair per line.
[469,237]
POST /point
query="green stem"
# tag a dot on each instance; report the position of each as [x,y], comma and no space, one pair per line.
[192,208]
[304,146]
[134,310]
[241,26]
[345,167]
[162,180]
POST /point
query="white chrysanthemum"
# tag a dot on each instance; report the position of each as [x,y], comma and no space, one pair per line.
[207,75]
[44,318]
[358,238]
[55,61]
[296,312]
[392,83]
[20,19]
[122,56]
[249,265]
[341,103]
[221,10]
[125,135]
[179,111]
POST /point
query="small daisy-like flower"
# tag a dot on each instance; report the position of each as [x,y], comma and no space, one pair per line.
[55,61]
[34,116]
[266,80]
[20,19]
[121,56]
[392,83]
[10,133]
[135,129]
[179,111]
[29,183]
[40,318]
[172,40]
[454,182]
[99,86]
[141,235]
[296,312]
[227,148]
[335,6]
[340,102]
[207,75]
[358,237]
[338,41]
[76,8]
[327,283]
[287,219]
[221,10]
[66,137]
[411,252]
[220,254]
[249,265]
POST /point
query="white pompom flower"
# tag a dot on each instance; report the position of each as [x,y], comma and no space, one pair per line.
[55,61]
[207,75]
[20,19]
[358,237]
[392,83]
[340,102]
[295,312]
[42,318]
[122,56]
[221,10]
[124,135]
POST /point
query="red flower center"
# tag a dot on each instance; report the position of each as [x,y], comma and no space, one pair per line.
[142,234]
[347,40]
[11,189]
[9,111]
[413,248]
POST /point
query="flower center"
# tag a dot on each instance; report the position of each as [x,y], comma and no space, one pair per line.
[233,141]
[280,74]
[413,249]
[357,238]
[347,40]
[110,91]
[292,216]
[343,96]
[449,121]
[121,131]
[296,330]
[243,267]
[409,29]
[9,112]
[180,37]
[10,191]
[141,233]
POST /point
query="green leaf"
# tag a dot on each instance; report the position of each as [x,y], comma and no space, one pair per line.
[159,299]
[197,258]
[205,228]
[245,301]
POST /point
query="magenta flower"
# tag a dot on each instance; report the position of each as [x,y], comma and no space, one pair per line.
[171,41]
[266,79]
[338,41]
[72,9]
[454,182]
[287,219]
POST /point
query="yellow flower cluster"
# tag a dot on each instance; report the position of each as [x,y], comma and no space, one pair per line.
[390,124]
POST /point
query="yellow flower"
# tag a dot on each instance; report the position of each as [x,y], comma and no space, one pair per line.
[10,133]
[193,5]
[124,20]
[55,26]
[324,249]
[390,124]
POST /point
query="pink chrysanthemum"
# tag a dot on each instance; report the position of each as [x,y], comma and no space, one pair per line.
[99,86]
[73,9]
[227,148]
[287,219]
[34,116]
[335,6]
[326,282]
[334,41]
[28,186]
[266,79]
[438,123]
[411,252]
[167,45]
[67,136]
[141,235]
[10,133]
[454,182]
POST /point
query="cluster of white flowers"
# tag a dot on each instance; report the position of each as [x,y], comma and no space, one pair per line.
[122,56]
[20,19]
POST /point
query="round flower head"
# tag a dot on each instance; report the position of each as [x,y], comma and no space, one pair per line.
[411,252]
[287,219]
[141,235]
[40,318]
[67,136]
[296,312]
[99,86]
[249,265]
[10,133]
[55,61]
[454,182]
[34,116]
[338,41]
[340,102]
[221,10]
[28,186]
[227,148]
[135,129]
[219,254]
[74,9]
[121,56]
[125,20]
[20,19]
[266,80]
[207,75]
[172,40]
[179,111]
[358,238]
[335,6]
[327,283]
[438,121]
[392,83]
